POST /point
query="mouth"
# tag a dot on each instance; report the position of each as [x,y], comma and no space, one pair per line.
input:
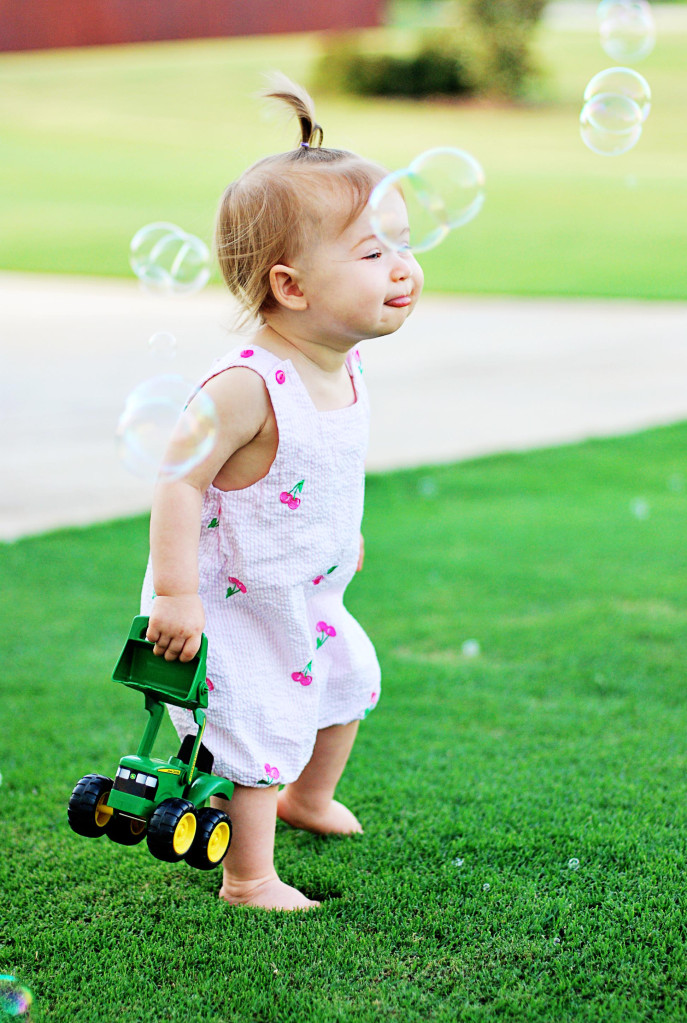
[400,301]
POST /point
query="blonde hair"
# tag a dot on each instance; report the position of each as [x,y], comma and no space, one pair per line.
[283,202]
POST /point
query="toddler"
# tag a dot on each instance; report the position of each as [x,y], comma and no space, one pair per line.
[257,545]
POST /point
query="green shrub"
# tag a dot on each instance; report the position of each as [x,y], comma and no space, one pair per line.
[486,51]
[434,70]
[503,29]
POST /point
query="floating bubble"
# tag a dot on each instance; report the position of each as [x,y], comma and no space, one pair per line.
[166,258]
[573,863]
[162,345]
[640,508]
[427,487]
[486,887]
[626,29]
[458,862]
[610,125]
[161,432]
[621,81]
[556,941]
[470,648]
[416,207]
[15,999]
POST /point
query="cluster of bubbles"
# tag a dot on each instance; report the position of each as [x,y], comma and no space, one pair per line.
[168,259]
[617,102]
[15,999]
[626,29]
[442,189]
[165,429]
[164,432]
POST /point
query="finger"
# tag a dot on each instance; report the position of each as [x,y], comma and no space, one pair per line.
[161,645]
[174,649]
[190,649]
[153,633]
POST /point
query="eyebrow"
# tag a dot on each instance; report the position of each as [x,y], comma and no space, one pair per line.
[364,241]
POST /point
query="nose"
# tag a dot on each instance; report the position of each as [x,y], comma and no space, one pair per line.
[402,266]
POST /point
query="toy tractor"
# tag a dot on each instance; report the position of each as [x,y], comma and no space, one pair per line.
[160,800]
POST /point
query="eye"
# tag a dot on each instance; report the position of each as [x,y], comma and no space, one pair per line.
[374,255]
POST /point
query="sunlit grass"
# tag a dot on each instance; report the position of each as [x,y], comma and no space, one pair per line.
[478,778]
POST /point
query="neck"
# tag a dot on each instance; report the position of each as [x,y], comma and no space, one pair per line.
[289,345]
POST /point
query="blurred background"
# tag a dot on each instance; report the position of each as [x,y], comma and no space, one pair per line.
[117,114]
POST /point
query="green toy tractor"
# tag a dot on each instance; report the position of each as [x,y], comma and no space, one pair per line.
[160,800]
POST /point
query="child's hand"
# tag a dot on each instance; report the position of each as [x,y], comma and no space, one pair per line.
[361,554]
[176,626]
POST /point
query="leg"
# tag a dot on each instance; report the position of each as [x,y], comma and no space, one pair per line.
[308,802]
[249,877]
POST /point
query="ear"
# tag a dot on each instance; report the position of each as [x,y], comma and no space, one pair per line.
[286,289]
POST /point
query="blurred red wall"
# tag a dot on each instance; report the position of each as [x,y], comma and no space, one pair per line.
[42,24]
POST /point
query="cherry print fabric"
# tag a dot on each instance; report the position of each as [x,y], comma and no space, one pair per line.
[284,654]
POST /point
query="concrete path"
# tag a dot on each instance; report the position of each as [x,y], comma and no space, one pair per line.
[464,377]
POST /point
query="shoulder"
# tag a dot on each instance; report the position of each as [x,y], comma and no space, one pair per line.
[240,393]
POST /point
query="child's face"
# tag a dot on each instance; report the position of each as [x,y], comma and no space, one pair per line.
[354,286]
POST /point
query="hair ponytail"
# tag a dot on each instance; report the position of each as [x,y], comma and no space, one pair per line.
[285,202]
[301,105]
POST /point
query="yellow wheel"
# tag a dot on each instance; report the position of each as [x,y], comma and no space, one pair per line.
[88,813]
[127,830]
[184,833]
[171,829]
[212,839]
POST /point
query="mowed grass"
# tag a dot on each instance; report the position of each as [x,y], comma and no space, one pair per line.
[98,142]
[478,779]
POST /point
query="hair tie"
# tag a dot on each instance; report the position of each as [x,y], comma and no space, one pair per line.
[305,145]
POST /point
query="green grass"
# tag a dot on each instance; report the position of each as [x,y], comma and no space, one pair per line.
[564,738]
[100,141]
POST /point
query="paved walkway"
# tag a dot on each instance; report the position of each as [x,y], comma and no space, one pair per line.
[464,377]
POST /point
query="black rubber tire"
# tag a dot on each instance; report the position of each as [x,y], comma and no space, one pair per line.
[164,824]
[209,821]
[126,830]
[82,813]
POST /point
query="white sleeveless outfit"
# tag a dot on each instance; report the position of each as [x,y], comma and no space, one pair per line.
[285,657]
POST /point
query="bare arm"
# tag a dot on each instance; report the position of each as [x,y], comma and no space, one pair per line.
[177,618]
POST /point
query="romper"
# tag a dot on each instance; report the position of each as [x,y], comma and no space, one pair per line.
[285,657]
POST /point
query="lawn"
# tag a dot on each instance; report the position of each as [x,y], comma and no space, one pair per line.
[480,779]
[98,142]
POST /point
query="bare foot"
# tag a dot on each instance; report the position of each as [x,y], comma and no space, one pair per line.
[336,819]
[271,893]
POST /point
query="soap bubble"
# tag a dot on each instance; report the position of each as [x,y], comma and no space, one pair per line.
[626,28]
[161,431]
[573,863]
[640,508]
[458,862]
[621,81]
[486,887]
[15,999]
[610,124]
[427,487]
[166,258]
[442,189]
[470,648]
[616,103]
[162,345]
